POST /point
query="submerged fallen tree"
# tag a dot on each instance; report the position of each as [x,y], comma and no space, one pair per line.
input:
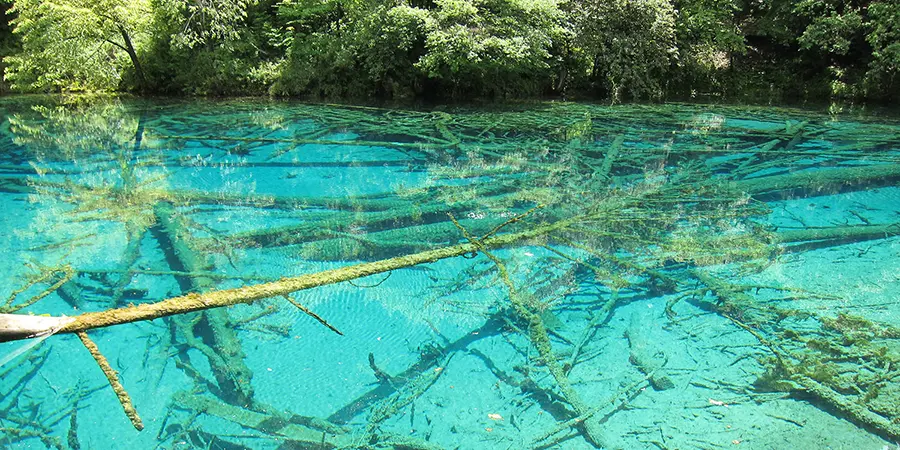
[15,327]
[809,367]
[622,218]
[228,297]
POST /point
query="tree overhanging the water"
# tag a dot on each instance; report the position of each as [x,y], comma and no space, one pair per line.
[459,49]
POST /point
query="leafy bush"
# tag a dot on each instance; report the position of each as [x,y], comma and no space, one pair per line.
[493,47]
[630,43]
[460,49]
[75,44]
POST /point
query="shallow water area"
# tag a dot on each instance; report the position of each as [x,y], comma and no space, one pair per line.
[664,277]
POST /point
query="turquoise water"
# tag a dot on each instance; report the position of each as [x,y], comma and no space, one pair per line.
[660,277]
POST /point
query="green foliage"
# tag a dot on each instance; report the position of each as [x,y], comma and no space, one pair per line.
[74,44]
[884,37]
[8,42]
[395,50]
[492,45]
[852,46]
[364,51]
[213,47]
[617,49]
[832,33]
[204,22]
[709,23]
[319,52]
[861,41]
[708,37]
[391,43]
[631,43]
[310,16]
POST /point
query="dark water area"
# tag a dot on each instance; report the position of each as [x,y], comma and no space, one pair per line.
[672,276]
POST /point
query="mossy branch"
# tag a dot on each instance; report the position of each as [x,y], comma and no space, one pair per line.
[113,378]
[68,274]
[308,312]
[854,410]
[537,333]
[214,299]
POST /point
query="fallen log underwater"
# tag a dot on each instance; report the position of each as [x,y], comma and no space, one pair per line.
[799,370]
[214,299]
[387,233]
[15,327]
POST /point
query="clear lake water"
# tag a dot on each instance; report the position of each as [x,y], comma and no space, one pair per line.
[672,276]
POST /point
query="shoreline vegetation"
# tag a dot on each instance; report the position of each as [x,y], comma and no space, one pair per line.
[769,51]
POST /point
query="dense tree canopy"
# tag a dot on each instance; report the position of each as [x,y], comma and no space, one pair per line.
[618,49]
[76,44]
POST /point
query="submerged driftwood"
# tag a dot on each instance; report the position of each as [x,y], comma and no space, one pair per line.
[213,334]
[599,160]
[214,299]
[797,369]
[228,297]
